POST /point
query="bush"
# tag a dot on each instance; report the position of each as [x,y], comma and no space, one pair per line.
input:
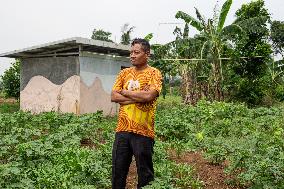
[9,107]
[251,140]
[1,85]
[11,81]
[280,92]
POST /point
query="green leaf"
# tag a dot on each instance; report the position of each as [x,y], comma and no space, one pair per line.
[223,15]
[148,37]
[199,16]
[189,19]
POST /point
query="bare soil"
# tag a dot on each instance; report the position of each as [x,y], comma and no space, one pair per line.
[7,100]
[212,175]
[132,178]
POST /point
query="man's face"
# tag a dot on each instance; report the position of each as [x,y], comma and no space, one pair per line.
[137,56]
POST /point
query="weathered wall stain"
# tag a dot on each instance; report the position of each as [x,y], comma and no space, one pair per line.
[94,98]
[41,95]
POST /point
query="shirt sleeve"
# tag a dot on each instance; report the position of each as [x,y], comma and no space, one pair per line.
[156,81]
[118,85]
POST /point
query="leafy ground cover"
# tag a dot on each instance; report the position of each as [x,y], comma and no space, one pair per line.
[8,105]
[249,141]
[53,150]
[194,146]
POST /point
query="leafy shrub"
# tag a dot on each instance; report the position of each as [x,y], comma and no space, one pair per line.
[9,107]
[11,80]
[250,139]
[46,151]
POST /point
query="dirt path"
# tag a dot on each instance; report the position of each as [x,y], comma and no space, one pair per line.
[213,176]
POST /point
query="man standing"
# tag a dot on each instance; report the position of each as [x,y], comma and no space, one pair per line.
[136,90]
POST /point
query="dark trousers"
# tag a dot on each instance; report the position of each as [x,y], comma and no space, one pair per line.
[125,145]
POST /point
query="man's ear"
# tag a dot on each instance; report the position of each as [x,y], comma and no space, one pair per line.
[148,54]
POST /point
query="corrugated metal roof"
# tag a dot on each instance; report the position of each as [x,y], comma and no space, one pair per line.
[69,46]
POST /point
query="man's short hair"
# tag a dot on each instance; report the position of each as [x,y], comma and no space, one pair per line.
[143,42]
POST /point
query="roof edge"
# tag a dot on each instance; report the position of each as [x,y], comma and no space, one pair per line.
[75,40]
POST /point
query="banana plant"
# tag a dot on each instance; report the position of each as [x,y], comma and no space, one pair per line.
[276,70]
[215,38]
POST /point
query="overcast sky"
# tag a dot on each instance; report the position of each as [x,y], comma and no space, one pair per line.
[25,23]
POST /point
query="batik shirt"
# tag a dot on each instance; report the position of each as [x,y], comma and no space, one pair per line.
[139,117]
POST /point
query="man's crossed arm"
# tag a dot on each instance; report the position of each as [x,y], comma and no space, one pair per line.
[124,97]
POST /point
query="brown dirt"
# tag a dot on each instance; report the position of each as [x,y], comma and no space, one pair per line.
[212,175]
[132,179]
[88,143]
[7,100]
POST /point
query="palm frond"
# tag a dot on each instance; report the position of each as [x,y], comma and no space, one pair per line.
[223,15]
[232,30]
[186,31]
[149,36]
[190,20]
[200,17]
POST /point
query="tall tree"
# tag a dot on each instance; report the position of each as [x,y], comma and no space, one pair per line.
[11,80]
[252,53]
[161,52]
[277,37]
[126,31]
[99,34]
[277,67]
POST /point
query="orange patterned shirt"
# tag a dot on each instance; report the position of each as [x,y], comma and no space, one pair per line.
[139,117]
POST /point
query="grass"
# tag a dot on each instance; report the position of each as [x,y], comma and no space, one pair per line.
[6,106]
[2,95]
[169,101]
[9,107]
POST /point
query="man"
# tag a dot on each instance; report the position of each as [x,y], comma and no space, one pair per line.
[136,90]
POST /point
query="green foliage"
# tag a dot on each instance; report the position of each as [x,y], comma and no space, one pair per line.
[11,80]
[148,37]
[52,150]
[47,150]
[189,19]
[249,75]
[170,175]
[166,68]
[169,102]
[280,92]
[251,140]
[1,86]
[44,151]
[9,107]
[99,34]
[277,36]
[205,78]
[249,82]
[223,15]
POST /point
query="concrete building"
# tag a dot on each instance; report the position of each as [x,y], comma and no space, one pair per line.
[71,75]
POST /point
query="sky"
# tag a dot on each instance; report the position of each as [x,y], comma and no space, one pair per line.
[25,23]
